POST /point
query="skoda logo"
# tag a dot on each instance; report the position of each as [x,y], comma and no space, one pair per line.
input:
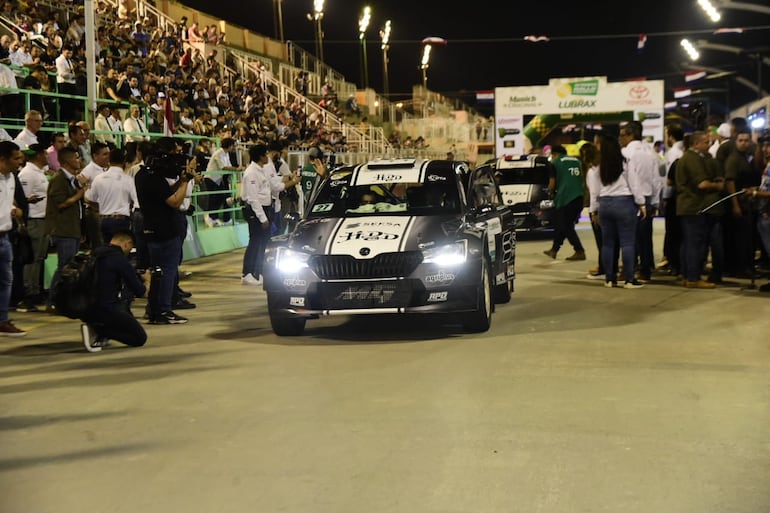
[639,92]
[364,251]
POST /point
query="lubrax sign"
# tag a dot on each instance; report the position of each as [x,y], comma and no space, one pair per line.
[547,106]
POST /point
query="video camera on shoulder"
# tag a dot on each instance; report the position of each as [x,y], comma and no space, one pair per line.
[170,165]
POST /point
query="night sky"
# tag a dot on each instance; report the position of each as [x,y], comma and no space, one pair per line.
[486,46]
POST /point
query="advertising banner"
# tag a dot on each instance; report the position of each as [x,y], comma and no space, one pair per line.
[570,98]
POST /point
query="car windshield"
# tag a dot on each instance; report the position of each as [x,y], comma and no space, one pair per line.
[344,194]
[524,172]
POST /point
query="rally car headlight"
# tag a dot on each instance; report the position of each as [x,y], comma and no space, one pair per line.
[449,254]
[290,261]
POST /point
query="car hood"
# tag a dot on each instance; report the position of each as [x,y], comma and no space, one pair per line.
[369,236]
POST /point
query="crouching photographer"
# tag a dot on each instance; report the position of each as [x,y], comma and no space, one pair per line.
[161,201]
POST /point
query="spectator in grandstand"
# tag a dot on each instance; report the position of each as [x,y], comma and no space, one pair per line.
[76,29]
[35,81]
[20,54]
[194,34]
[203,125]
[5,49]
[48,58]
[101,124]
[141,39]
[66,80]
[126,9]
[134,123]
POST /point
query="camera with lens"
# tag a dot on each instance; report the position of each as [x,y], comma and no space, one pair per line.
[170,165]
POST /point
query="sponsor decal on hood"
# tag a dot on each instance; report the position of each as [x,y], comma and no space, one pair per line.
[385,234]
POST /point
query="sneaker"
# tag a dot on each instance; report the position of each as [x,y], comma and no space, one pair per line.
[183,293]
[168,318]
[662,264]
[90,340]
[26,306]
[643,279]
[209,222]
[184,304]
[249,279]
[595,276]
[633,285]
[7,329]
[549,252]
[578,255]
[610,284]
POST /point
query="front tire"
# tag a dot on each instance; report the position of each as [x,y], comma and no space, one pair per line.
[285,325]
[481,319]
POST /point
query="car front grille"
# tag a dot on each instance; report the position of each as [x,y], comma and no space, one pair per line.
[360,295]
[385,265]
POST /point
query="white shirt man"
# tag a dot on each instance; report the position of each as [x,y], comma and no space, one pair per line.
[134,123]
[102,124]
[33,120]
[100,161]
[114,191]
[35,184]
[65,71]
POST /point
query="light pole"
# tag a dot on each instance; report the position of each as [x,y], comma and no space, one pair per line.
[424,66]
[363,24]
[385,35]
[317,16]
[278,19]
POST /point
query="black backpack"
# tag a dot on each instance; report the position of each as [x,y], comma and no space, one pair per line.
[76,291]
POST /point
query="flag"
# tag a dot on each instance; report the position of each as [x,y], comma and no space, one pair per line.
[434,41]
[694,75]
[536,39]
[641,42]
[168,118]
[681,92]
[485,96]
[670,105]
[725,30]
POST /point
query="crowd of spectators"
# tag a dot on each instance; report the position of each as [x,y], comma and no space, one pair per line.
[148,63]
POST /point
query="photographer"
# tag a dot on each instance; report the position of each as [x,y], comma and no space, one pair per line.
[160,206]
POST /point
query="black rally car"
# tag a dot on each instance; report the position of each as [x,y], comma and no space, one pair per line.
[395,236]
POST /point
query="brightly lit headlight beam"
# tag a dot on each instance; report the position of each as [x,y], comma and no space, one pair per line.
[290,261]
[449,254]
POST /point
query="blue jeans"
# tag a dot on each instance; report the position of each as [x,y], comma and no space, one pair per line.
[617,216]
[164,263]
[66,249]
[695,232]
[6,276]
[110,225]
[763,226]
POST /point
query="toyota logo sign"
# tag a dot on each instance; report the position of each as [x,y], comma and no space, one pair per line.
[639,92]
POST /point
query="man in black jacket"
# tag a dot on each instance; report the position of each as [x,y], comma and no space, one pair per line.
[118,284]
